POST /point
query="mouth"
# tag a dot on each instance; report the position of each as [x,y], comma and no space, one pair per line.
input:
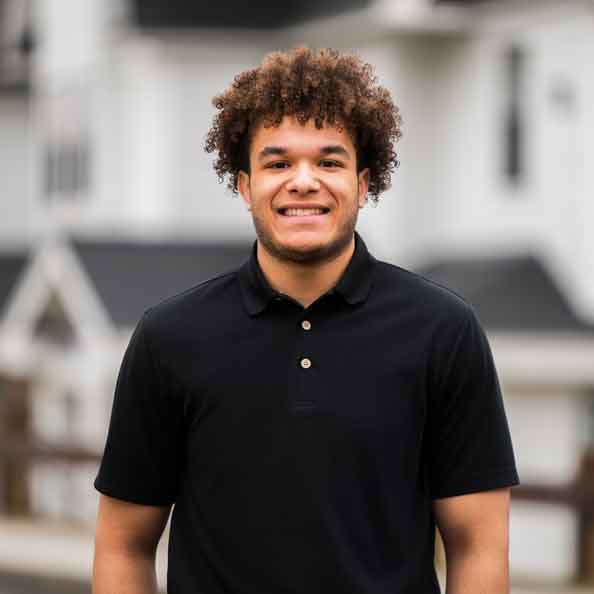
[303,212]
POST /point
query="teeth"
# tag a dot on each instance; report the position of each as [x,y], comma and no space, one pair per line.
[302,212]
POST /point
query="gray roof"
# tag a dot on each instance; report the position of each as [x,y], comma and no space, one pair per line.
[267,14]
[510,293]
[11,267]
[130,276]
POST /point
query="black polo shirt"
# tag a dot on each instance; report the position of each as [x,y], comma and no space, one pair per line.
[303,447]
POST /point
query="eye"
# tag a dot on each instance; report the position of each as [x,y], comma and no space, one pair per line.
[329,163]
[277,165]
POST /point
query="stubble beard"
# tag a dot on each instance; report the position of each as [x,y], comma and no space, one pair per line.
[318,255]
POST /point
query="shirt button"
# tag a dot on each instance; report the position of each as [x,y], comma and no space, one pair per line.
[305,363]
[306,325]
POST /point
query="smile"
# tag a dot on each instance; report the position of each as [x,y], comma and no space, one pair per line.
[302,212]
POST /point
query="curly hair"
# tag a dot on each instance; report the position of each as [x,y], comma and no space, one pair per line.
[326,85]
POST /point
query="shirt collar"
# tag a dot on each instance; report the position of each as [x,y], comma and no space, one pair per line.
[354,285]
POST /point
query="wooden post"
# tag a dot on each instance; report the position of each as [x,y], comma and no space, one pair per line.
[15,425]
[586,518]
[578,496]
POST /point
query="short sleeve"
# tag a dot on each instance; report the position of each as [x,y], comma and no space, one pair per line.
[142,455]
[469,443]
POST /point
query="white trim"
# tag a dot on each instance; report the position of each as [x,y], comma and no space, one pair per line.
[544,359]
[424,17]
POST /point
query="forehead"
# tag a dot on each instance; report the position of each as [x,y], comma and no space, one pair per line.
[295,136]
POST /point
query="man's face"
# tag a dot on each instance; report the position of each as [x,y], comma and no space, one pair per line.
[303,190]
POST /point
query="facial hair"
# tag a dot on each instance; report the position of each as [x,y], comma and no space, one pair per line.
[323,253]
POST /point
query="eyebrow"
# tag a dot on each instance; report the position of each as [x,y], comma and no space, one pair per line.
[335,149]
[331,149]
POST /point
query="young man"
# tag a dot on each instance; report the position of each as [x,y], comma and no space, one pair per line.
[312,415]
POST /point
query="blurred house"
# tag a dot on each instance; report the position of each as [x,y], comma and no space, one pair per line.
[106,186]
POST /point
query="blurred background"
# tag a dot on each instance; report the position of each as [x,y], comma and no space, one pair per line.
[109,204]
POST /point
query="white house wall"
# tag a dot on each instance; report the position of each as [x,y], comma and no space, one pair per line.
[62,490]
[194,73]
[563,53]
[15,167]
[547,431]
[544,359]
[542,542]
[477,209]
[73,34]
[144,142]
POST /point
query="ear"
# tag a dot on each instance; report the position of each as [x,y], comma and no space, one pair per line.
[363,182]
[243,186]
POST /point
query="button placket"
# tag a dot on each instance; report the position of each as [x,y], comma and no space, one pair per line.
[305,362]
[304,388]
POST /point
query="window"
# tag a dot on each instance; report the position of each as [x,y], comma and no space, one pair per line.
[66,139]
[66,168]
[514,124]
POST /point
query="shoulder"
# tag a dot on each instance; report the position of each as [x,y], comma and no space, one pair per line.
[457,345]
[422,296]
[187,308]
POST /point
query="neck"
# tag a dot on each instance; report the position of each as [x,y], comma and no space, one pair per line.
[303,282]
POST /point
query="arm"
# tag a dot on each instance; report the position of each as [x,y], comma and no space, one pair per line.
[475,532]
[126,541]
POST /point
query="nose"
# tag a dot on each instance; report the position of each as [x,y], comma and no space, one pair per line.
[303,181]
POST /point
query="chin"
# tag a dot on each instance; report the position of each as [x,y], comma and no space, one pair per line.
[305,244]
[307,251]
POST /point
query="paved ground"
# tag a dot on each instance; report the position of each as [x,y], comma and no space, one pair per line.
[19,584]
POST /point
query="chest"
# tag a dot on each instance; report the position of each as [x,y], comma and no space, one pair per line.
[348,376]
